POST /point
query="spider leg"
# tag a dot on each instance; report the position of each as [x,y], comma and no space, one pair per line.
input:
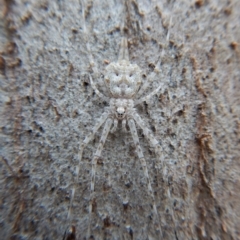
[124,122]
[145,98]
[87,139]
[147,133]
[149,79]
[135,137]
[115,124]
[97,155]
[86,37]
[123,53]
[91,61]
[97,91]
[153,75]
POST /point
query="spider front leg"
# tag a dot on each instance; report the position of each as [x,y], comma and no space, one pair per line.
[86,37]
[97,155]
[153,75]
[133,130]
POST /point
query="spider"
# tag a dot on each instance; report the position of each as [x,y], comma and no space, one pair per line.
[123,80]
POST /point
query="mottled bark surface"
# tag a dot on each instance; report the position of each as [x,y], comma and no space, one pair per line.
[48,106]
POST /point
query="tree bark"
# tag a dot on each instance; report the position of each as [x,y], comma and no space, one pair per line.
[49,49]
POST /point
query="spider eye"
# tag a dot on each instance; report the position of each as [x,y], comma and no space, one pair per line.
[116,74]
[130,75]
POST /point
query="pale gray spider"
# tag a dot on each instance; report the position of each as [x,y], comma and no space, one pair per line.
[123,81]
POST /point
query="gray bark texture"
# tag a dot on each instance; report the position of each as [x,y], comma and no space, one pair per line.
[48,106]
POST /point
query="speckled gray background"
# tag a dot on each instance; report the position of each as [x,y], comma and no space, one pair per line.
[48,106]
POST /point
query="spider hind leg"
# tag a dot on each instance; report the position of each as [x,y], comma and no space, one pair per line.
[135,137]
[85,142]
[103,138]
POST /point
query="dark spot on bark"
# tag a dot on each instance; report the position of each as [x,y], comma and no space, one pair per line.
[227,11]
[233,45]
[184,70]
[172,148]
[151,65]
[85,84]
[128,184]
[130,231]
[125,206]
[170,180]
[94,205]
[75,31]
[199,3]
[70,233]
[41,129]
[2,63]
[106,222]
[218,211]
[29,131]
